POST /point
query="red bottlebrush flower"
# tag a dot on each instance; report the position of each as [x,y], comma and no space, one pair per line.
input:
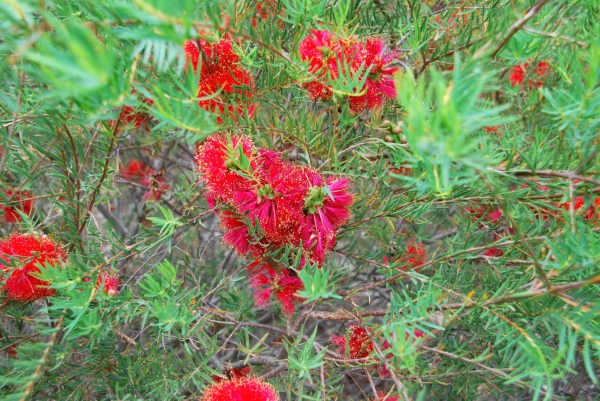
[405,171]
[577,204]
[137,171]
[111,283]
[220,71]
[246,389]
[232,374]
[192,54]
[276,201]
[129,116]
[326,208]
[21,255]
[321,49]
[22,201]
[382,395]
[494,253]
[224,162]
[414,258]
[517,76]
[379,86]
[238,235]
[358,342]
[494,216]
[12,351]
[266,280]
[158,187]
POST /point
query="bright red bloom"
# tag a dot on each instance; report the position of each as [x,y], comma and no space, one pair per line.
[12,351]
[494,216]
[21,201]
[379,86]
[21,256]
[111,283]
[139,172]
[224,162]
[266,280]
[405,171]
[241,389]
[517,76]
[322,49]
[383,397]
[131,117]
[220,71]
[238,235]
[276,200]
[493,129]
[494,252]
[326,208]
[232,374]
[358,342]
[415,257]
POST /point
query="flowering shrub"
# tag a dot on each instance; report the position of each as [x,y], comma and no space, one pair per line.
[299,200]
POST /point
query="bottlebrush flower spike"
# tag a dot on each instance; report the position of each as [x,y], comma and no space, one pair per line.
[242,389]
[494,253]
[379,86]
[266,280]
[414,258]
[21,255]
[224,163]
[131,117]
[137,171]
[382,395]
[276,198]
[518,73]
[326,208]
[322,50]
[21,201]
[238,235]
[220,71]
[111,283]
[358,342]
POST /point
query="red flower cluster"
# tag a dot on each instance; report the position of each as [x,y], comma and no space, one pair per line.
[283,284]
[358,341]
[485,213]
[220,72]
[383,397]
[20,258]
[267,203]
[21,201]
[414,258]
[111,283]
[359,344]
[139,172]
[327,53]
[131,117]
[519,72]
[244,388]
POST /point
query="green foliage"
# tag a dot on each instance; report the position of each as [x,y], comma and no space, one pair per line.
[508,305]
